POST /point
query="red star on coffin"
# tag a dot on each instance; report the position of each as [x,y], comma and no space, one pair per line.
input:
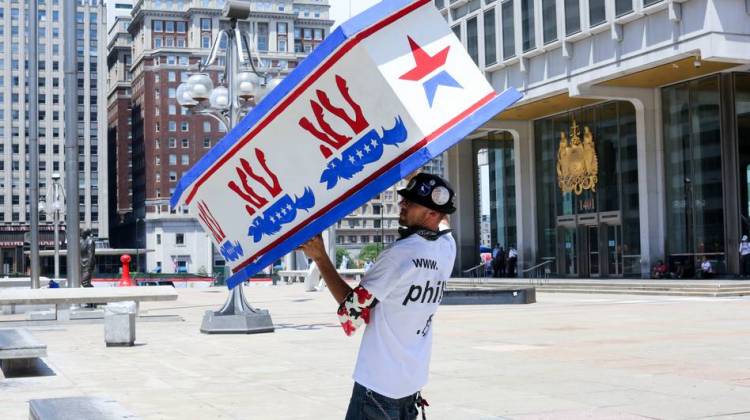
[425,63]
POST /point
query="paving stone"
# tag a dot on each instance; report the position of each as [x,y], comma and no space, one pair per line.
[565,357]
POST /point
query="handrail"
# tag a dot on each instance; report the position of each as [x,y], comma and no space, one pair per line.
[539,271]
[468,270]
[476,273]
[536,267]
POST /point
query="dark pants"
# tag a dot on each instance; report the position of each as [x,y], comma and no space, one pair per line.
[369,405]
[745,265]
[512,267]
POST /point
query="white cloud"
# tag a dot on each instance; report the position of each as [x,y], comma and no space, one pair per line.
[340,9]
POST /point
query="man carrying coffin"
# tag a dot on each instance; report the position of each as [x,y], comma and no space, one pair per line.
[397,299]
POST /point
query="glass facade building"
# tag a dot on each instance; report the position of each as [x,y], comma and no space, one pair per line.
[630,146]
[595,232]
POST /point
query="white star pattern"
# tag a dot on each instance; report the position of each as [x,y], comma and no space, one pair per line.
[367,148]
[278,215]
[283,211]
[272,219]
[332,164]
[289,207]
[351,159]
[359,154]
[374,143]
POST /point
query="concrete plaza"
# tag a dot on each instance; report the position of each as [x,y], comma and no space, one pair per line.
[569,356]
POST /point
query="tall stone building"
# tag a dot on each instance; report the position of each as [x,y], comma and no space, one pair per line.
[163,140]
[14,122]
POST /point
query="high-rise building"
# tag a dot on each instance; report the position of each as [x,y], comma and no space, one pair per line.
[14,122]
[163,140]
[375,222]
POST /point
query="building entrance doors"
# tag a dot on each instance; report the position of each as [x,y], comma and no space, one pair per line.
[590,245]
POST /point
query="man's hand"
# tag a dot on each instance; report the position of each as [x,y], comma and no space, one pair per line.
[314,248]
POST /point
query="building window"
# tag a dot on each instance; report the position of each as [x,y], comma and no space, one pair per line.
[172,176]
[457,31]
[158,25]
[173,159]
[527,24]
[172,143]
[172,126]
[490,54]
[596,12]
[693,173]
[185,143]
[549,21]
[623,6]
[472,41]
[169,26]
[509,40]
[181,27]
[179,239]
[205,24]
[206,41]
[206,126]
[262,36]
[157,42]
[184,126]
[572,17]
[158,239]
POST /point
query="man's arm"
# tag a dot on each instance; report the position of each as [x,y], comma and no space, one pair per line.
[314,249]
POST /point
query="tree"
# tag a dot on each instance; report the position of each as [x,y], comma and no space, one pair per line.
[370,252]
[340,252]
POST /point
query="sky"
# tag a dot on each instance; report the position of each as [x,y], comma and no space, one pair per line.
[340,9]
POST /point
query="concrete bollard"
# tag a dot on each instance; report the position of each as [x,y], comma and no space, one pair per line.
[119,323]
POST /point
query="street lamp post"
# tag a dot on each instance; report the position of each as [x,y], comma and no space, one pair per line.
[137,250]
[56,206]
[241,85]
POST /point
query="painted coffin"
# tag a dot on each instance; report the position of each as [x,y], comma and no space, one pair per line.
[387,91]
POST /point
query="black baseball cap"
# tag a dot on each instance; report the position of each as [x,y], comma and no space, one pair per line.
[431,191]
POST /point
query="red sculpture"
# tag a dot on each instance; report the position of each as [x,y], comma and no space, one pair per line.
[125,281]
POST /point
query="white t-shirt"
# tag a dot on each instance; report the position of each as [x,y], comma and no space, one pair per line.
[408,279]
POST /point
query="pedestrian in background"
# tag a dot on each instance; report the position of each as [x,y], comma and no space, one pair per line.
[744,257]
[512,260]
[498,263]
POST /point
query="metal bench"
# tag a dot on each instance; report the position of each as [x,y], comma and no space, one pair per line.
[357,273]
[19,349]
[292,276]
[63,298]
[77,408]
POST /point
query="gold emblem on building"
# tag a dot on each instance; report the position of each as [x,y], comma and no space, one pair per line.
[577,165]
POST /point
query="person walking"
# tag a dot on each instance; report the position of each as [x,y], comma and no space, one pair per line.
[397,300]
[744,257]
[498,263]
[512,260]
